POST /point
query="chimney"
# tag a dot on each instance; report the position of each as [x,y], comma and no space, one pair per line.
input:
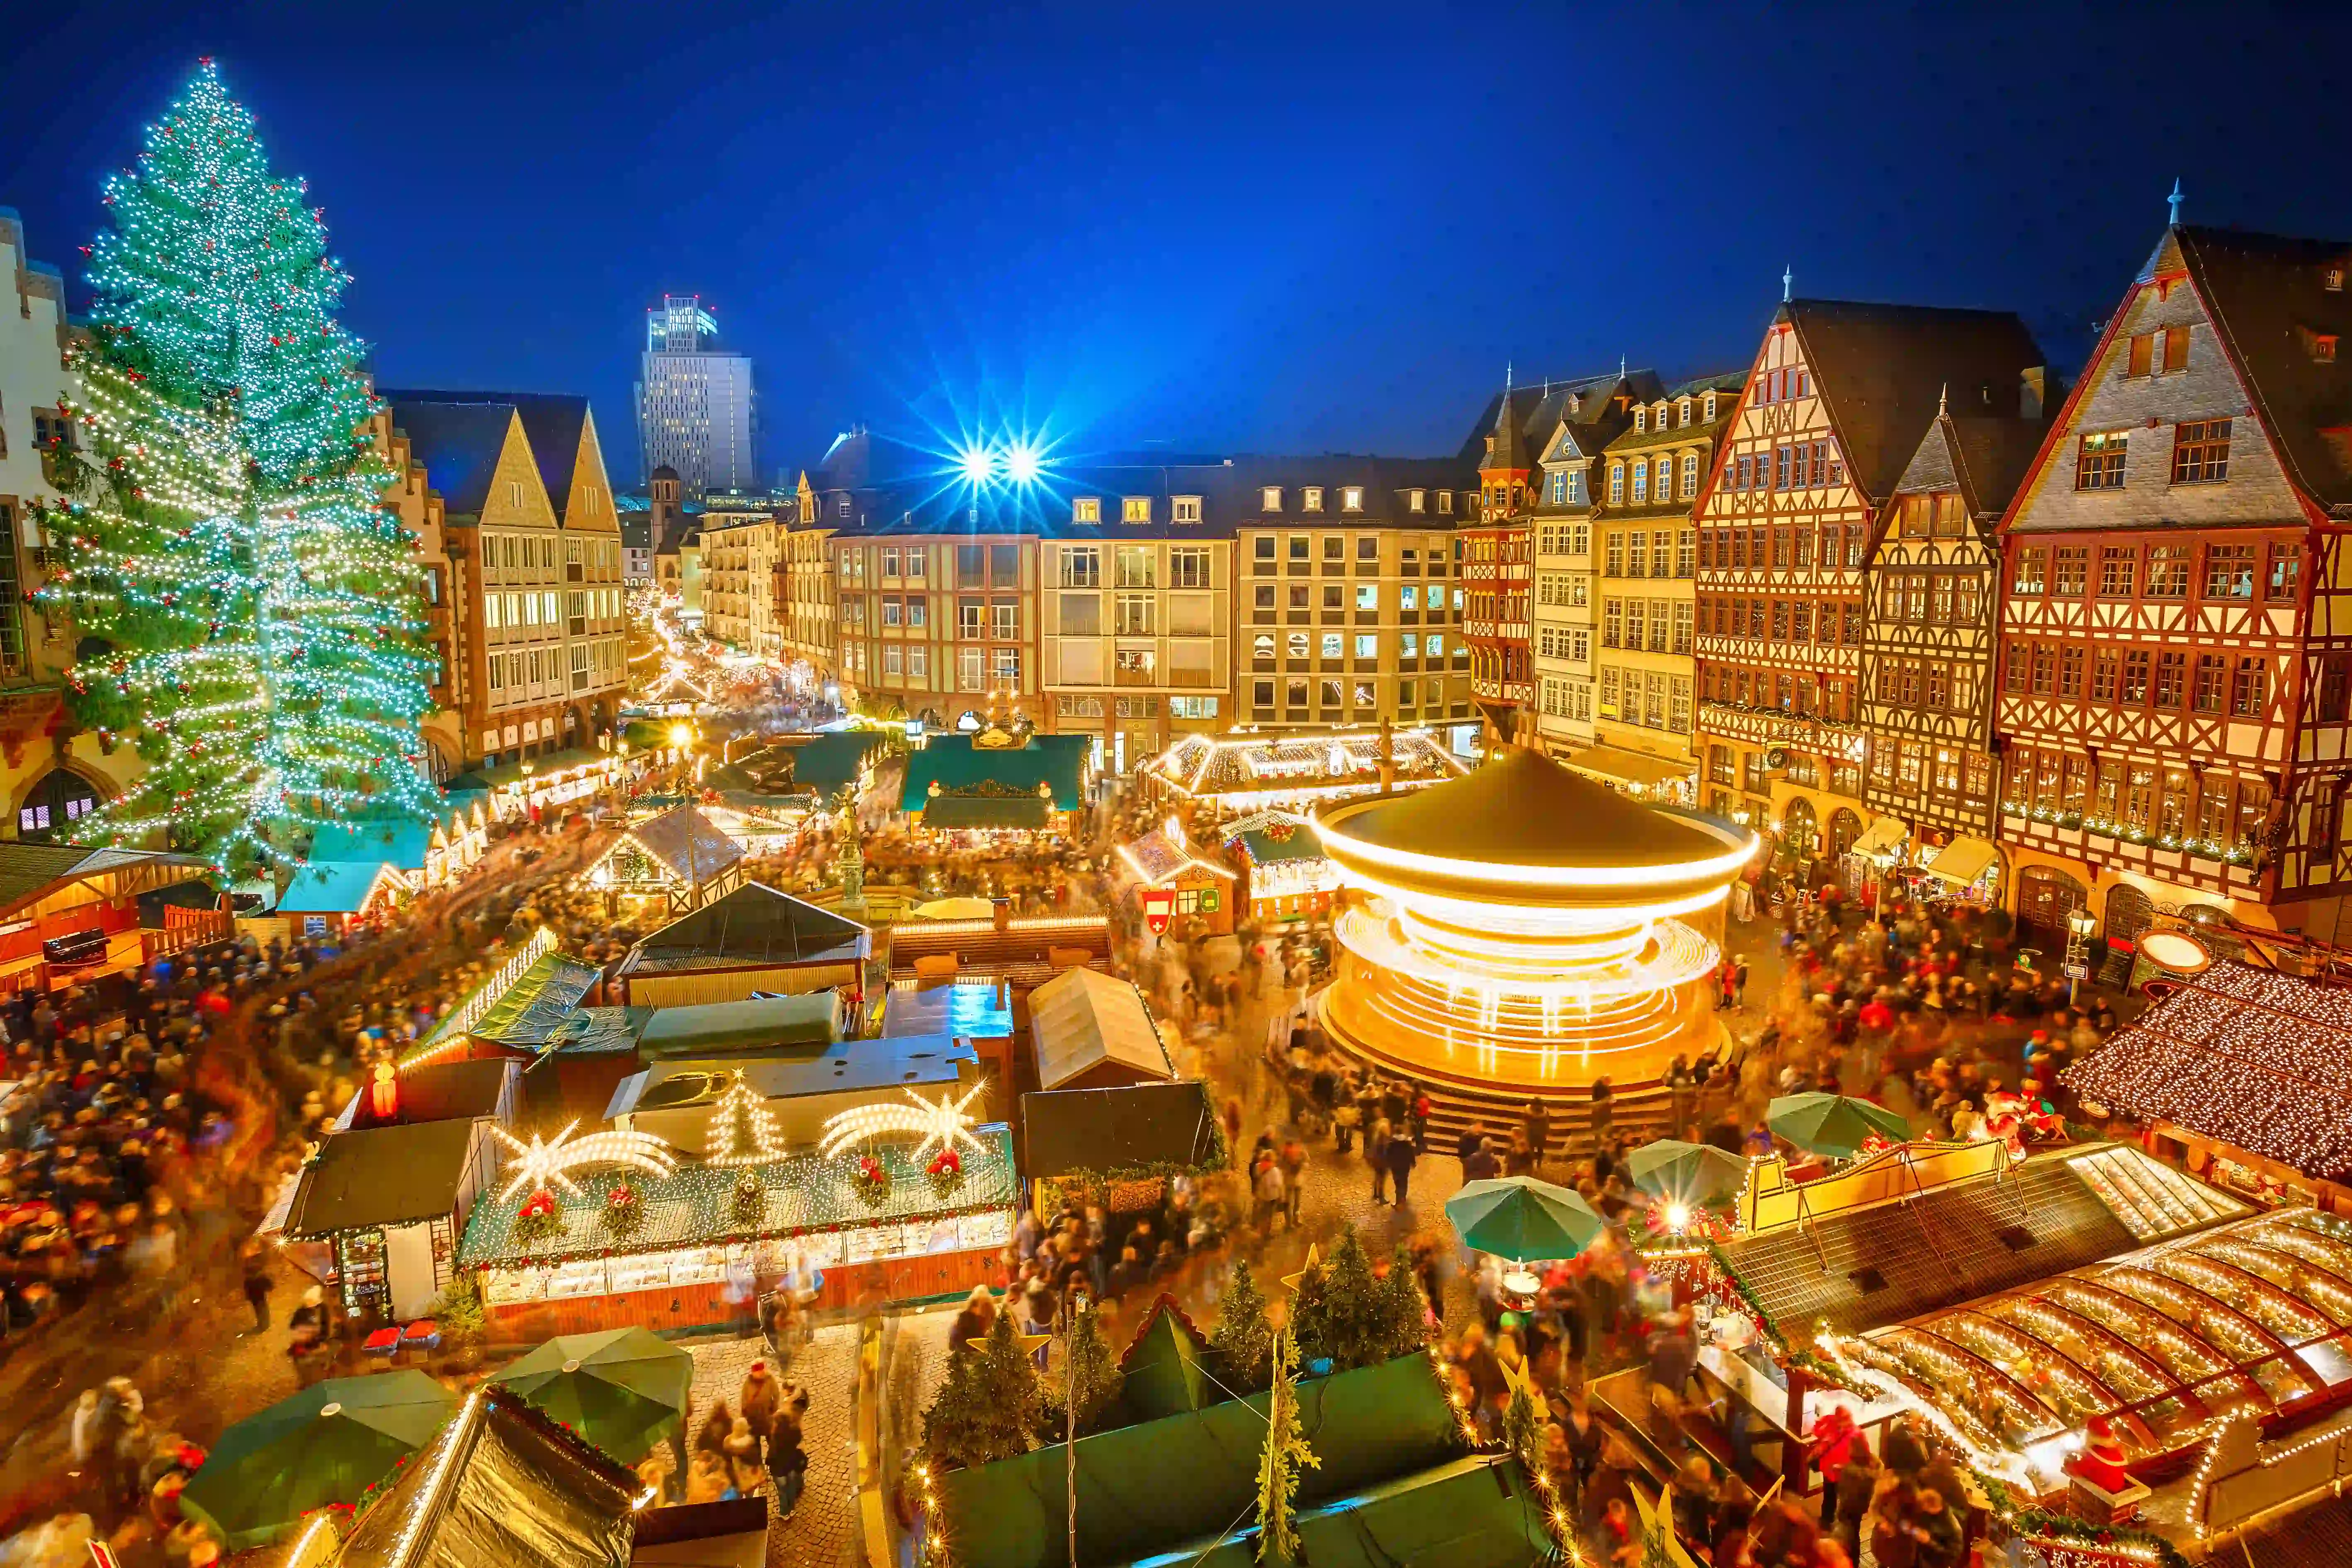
[2032,386]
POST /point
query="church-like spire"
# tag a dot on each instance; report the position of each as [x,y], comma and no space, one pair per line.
[2173,203]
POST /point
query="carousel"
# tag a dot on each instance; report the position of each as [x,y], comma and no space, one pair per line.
[1525,929]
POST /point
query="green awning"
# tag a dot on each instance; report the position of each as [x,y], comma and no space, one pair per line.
[977,811]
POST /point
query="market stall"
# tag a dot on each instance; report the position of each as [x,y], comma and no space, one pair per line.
[327,898]
[390,1203]
[1229,776]
[1163,876]
[1094,1031]
[515,1009]
[1285,875]
[666,1258]
[1966,871]
[533,786]
[753,939]
[679,858]
[998,781]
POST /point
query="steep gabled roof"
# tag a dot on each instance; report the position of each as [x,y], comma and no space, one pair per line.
[2267,299]
[554,422]
[458,443]
[1537,412]
[1984,459]
[1882,371]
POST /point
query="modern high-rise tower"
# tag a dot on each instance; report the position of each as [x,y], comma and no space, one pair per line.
[694,401]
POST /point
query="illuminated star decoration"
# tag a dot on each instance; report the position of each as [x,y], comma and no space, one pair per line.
[1314,1261]
[1521,1377]
[543,1163]
[942,1121]
[1028,1342]
[1661,1547]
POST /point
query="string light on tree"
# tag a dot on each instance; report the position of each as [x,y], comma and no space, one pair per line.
[543,1164]
[945,1123]
[251,617]
[742,1129]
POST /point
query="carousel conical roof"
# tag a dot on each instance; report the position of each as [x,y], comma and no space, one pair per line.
[1524,809]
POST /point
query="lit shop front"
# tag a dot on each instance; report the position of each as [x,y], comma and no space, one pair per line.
[1227,775]
[1525,927]
[684,1248]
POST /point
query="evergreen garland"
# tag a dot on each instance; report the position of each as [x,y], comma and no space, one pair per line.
[1286,1455]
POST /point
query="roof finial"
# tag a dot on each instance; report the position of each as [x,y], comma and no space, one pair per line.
[1506,378]
[1788,281]
[1620,367]
[1943,400]
[2173,201]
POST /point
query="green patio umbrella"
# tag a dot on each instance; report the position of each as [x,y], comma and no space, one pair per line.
[1832,1125]
[624,1390]
[328,1444]
[1523,1219]
[1684,1172]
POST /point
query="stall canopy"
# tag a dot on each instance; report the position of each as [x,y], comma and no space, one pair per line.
[1867,1267]
[375,1176]
[1241,772]
[844,1067]
[832,763]
[402,843]
[2241,1056]
[1093,1031]
[524,1012]
[1273,838]
[501,1484]
[1143,1127]
[683,844]
[1962,861]
[45,878]
[1614,764]
[1883,836]
[444,1091]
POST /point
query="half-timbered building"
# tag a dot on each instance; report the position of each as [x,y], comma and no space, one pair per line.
[1932,589]
[1589,416]
[1836,402]
[2176,634]
[1498,546]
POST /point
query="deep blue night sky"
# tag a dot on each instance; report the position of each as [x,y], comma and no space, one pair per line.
[1258,229]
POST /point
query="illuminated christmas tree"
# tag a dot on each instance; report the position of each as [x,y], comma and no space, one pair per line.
[250,615]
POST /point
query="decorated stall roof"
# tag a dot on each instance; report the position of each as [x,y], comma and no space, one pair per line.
[1871,1266]
[596,1031]
[1161,855]
[835,761]
[681,843]
[765,1023]
[521,1003]
[806,1192]
[502,1484]
[840,1067]
[1246,770]
[2243,1055]
[404,843]
[975,781]
[2251,1319]
[339,886]
[1272,837]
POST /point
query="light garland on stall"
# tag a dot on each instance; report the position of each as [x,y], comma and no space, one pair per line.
[252,614]
[543,1164]
[945,1123]
[449,1037]
[742,1130]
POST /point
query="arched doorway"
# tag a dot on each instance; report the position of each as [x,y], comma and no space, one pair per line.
[1845,829]
[60,798]
[2129,910]
[2045,897]
[1801,827]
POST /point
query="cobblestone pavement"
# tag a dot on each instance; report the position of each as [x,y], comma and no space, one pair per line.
[821,1529]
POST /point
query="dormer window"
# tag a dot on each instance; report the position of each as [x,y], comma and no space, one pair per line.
[1682,412]
[1351,499]
[1087,508]
[1270,499]
[2332,280]
[1416,501]
[1185,508]
[1313,499]
[2320,346]
[1641,419]
[1661,416]
[1709,407]
[1445,503]
[1135,508]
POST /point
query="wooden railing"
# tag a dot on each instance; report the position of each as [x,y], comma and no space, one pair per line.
[184,929]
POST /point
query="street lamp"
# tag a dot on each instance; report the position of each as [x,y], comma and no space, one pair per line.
[2080,924]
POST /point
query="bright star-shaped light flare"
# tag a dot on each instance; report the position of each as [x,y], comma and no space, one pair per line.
[1024,463]
[978,464]
[942,1121]
[542,1162]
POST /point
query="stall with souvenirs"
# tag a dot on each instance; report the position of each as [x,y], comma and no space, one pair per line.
[1165,880]
[1963,872]
[1286,876]
[903,1197]
[552,783]
[1218,777]
[679,858]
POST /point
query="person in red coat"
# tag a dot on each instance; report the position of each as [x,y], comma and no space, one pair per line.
[1831,1444]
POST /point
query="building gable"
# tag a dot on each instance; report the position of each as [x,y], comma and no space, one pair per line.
[2127,392]
[588,507]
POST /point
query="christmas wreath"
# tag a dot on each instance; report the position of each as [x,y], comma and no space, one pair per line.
[624,1210]
[538,1217]
[945,1169]
[873,1180]
[750,1203]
